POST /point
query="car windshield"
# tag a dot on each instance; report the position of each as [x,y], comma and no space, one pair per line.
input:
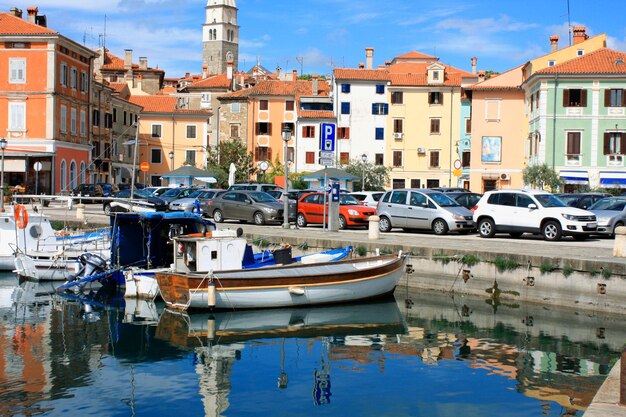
[197,193]
[172,193]
[443,200]
[348,200]
[261,197]
[613,204]
[548,200]
[568,199]
[141,193]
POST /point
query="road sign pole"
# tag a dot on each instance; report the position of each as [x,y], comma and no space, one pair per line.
[325,185]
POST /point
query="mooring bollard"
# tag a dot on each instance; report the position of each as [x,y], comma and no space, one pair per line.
[373,231]
[80,211]
[619,245]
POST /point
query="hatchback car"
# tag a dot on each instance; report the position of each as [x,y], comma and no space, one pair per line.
[519,211]
[176,193]
[368,198]
[254,187]
[351,211]
[189,203]
[423,209]
[157,191]
[466,199]
[255,206]
[142,201]
[611,213]
[581,200]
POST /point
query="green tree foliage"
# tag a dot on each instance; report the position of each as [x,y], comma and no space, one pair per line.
[541,177]
[376,176]
[227,152]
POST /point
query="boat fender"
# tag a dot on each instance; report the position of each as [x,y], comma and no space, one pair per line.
[239,232]
[211,294]
[296,290]
[210,326]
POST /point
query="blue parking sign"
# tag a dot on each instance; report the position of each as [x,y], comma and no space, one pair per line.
[327,137]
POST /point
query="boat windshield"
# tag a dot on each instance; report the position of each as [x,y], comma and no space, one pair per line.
[548,200]
[443,200]
[261,197]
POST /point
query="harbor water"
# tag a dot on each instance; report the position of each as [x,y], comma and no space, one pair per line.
[415,354]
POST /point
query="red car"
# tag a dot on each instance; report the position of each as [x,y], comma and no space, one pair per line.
[351,211]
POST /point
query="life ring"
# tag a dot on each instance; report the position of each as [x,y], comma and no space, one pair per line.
[21,216]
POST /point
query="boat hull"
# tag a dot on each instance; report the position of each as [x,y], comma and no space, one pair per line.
[294,285]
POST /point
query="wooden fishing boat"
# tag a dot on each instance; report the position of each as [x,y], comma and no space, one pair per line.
[280,286]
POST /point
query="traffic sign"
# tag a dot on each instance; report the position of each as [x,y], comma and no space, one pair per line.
[327,155]
[458,172]
[327,136]
[37,166]
[327,162]
[144,166]
[457,164]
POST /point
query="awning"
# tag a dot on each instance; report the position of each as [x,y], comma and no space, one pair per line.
[613,179]
[574,177]
[210,180]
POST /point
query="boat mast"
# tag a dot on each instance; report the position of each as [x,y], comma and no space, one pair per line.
[132,180]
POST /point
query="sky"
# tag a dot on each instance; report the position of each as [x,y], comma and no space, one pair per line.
[316,36]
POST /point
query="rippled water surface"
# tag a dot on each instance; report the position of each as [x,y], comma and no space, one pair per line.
[428,354]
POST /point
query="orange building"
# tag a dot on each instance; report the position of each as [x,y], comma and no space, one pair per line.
[44,104]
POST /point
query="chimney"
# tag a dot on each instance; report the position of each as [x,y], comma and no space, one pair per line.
[369,57]
[579,34]
[361,65]
[314,84]
[387,63]
[32,14]
[481,75]
[295,74]
[205,71]
[143,63]
[16,12]
[229,70]
[554,43]
[187,74]
[128,59]
[474,61]
[277,72]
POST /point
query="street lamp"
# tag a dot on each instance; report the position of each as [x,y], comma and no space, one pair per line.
[364,159]
[171,154]
[286,132]
[3,145]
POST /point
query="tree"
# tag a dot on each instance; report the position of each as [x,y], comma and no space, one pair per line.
[541,176]
[376,176]
[227,152]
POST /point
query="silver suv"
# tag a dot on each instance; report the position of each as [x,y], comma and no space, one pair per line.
[519,211]
[423,209]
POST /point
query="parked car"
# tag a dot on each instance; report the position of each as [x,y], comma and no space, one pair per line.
[87,190]
[611,213]
[581,200]
[450,189]
[466,199]
[126,186]
[254,187]
[423,209]
[157,191]
[520,211]
[351,211]
[202,196]
[108,189]
[368,198]
[255,206]
[142,201]
[280,194]
[176,193]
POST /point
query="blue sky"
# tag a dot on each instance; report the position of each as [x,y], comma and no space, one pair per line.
[323,33]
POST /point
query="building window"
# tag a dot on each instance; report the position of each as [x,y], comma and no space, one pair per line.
[344,157]
[262,153]
[379,159]
[191,131]
[380,108]
[436,75]
[289,105]
[155,156]
[434,159]
[73,121]
[435,125]
[310,157]
[264,104]
[345,107]
[235,107]
[614,143]
[416,183]
[234,131]
[263,128]
[156,131]
[205,100]
[74,78]
[125,118]
[468,125]
[190,157]
[398,125]
[308,131]
[343,133]
[17,117]
[155,180]
[63,119]
[114,115]
[397,159]
[580,52]
[432,183]
[64,75]
[492,110]
[345,88]
[83,123]
[380,133]
[465,159]
[63,175]
[398,183]
[17,70]
[83,82]
[73,176]
[573,148]
[614,97]
[108,120]
[435,97]
[551,63]
[82,172]
[380,88]
[575,97]
[397,97]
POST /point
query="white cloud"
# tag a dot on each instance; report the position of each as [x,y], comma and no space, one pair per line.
[487,25]
[616,43]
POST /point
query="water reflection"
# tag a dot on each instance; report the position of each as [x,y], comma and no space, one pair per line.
[420,354]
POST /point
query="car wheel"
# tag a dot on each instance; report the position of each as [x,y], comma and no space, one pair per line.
[107,209]
[342,222]
[440,227]
[515,234]
[258,218]
[218,217]
[384,225]
[301,220]
[551,231]
[486,228]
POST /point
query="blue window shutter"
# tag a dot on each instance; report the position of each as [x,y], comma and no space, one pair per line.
[380,89]
[345,107]
[380,133]
[385,108]
[374,108]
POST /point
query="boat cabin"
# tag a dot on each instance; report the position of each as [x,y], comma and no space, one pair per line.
[216,251]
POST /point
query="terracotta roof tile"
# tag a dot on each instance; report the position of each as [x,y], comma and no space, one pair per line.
[361,74]
[115,63]
[215,81]
[118,87]
[12,25]
[415,55]
[317,114]
[162,104]
[602,61]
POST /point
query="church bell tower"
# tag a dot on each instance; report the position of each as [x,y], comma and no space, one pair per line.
[220,36]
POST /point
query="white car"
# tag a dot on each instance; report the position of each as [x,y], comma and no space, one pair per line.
[369,198]
[520,211]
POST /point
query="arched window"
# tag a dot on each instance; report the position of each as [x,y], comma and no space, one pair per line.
[73,175]
[63,176]
[215,34]
[82,172]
